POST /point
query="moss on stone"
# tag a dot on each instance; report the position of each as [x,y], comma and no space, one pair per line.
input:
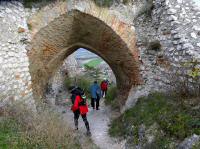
[104,3]
[36,3]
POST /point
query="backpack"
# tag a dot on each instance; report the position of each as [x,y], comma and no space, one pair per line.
[83,100]
[104,85]
[75,92]
[73,97]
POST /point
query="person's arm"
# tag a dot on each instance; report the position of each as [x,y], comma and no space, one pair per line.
[98,87]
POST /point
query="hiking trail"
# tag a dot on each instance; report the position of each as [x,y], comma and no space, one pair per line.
[99,121]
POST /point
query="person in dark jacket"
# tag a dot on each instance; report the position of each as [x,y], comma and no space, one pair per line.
[95,95]
[98,93]
[79,107]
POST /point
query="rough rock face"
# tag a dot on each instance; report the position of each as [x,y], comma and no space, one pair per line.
[15,79]
[57,82]
[172,24]
[70,66]
[189,142]
[34,42]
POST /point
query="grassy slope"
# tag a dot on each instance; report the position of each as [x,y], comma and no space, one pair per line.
[177,120]
[94,63]
[20,129]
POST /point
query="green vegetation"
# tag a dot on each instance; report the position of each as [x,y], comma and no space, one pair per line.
[111,94]
[189,84]
[108,3]
[81,81]
[111,97]
[38,3]
[104,3]
[85,82]
[92,73]
[94,63]
[20,128]
[197,146]
[175,119]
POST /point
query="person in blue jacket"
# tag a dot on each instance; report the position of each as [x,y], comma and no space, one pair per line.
[95,91]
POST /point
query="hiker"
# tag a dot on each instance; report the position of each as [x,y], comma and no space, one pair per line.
[104,87]
[95,95]
[98,93]
[79,107]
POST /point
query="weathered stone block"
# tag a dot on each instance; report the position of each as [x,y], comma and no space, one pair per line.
[21,30]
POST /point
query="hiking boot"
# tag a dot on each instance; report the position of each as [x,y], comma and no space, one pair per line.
[88,133]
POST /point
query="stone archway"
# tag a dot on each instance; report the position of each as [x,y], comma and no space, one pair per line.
[113,40]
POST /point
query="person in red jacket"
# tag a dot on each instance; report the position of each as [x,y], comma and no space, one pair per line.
[104,87]
[80,107]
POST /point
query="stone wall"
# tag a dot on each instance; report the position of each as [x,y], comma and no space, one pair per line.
[56,83]
[15,79]
[174,25]
[70,66]
[58,30]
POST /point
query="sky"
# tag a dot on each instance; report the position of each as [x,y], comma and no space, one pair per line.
[81,52]
[197,2]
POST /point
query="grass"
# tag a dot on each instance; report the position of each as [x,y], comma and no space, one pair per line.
[81,81]
[85,83]
[174,118]
[22,129]
[94,63]
[197,146]
[111,97]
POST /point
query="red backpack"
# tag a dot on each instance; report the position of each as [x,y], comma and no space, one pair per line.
[104,85]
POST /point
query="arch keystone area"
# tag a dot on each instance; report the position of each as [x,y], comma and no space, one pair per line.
[54,37]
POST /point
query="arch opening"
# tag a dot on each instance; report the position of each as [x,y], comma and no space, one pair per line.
[81,68]
[65,34]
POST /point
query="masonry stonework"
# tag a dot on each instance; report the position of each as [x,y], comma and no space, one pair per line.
[15,79]
[34,42]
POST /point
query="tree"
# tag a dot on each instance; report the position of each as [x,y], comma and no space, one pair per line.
[95,73]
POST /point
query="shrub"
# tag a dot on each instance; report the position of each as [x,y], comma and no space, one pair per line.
[111,95]
[126,1]
[185,80]
[197,146]
[174,118]
[81,81]
[92,72]
[69,82]
[37,3]
[21,128]
[104,3]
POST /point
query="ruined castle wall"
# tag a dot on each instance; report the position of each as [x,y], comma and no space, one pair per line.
[15,80]
[175,24]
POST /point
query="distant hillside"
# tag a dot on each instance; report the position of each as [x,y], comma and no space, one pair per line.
[84,54]
[94,62]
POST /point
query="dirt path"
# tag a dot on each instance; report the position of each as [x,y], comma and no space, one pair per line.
[99,122]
